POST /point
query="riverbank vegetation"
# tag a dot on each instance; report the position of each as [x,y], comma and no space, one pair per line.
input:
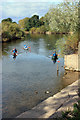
[10,30]
[71,115]
[68,44]
[31,24]
[60,19]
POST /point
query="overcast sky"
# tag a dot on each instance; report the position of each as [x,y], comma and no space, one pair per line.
[19,9]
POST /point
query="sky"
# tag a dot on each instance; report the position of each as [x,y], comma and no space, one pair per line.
[19,9]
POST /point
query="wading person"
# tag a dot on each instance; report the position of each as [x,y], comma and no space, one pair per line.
[54,57]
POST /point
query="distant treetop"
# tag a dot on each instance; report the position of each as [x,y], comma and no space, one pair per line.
[7,20]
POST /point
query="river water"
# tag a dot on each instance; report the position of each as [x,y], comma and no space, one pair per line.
[32,76]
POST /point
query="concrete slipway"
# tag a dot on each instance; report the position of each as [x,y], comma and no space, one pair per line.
[53,106]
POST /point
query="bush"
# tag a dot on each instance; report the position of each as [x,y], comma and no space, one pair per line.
[68,44]
[6,36]
[33,30]
[71,44]
[11,31]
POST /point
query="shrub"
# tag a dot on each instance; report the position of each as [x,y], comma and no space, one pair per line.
[11,31]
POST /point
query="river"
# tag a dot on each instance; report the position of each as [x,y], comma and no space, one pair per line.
[32,76]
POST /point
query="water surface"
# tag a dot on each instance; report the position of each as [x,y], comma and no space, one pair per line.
[26,79]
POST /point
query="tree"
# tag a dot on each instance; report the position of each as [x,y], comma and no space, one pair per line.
[28,25]
[33,30]
[33,22]
[46,21]
[23,22]
[7,20]
[42,21]
[11,31]
[63,17]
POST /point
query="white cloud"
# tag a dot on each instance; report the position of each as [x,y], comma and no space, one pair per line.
[19,9]
[24,10]
[34,14]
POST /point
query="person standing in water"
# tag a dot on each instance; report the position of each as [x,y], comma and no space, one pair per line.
[54,57]
[14,52]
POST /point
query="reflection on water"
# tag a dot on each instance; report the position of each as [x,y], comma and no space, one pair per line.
[27,78]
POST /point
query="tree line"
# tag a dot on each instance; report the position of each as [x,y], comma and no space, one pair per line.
[60,18]
[29,24]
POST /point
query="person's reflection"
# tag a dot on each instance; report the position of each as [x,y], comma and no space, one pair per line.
[14,56]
